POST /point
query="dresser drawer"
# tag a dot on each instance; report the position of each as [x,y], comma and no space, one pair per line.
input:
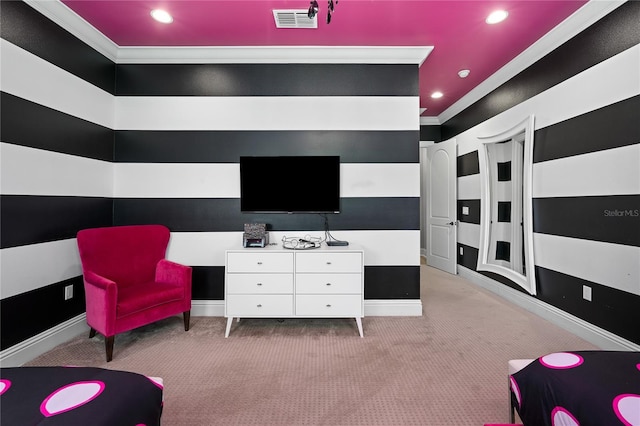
[259,305]
[328,283]
[329,262]
[259,262]
[259,284]
[329,305]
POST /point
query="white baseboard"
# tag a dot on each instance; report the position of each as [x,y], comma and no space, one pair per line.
[603,339]
[207,308]
[35,346]
[29,349]
[393,308]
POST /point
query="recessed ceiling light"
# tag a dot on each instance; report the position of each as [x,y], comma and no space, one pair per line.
[463,73]
[437,95]
[497,16]
[161,16]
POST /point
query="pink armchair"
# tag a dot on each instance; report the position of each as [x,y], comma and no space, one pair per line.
[128,282]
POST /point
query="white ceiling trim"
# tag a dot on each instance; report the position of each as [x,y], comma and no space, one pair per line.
[429,121]
[273,54]
[59,13]
[580,20]
[62,15]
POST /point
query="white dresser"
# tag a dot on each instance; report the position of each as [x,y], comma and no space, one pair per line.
[274,282]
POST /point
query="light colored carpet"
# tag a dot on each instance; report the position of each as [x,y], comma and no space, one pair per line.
[447,367]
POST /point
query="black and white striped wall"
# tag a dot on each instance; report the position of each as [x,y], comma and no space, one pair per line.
[87,142]
[585,97]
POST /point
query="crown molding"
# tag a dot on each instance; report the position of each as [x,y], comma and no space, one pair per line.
[59,13]
[429,121]
[580,20]
[272,54]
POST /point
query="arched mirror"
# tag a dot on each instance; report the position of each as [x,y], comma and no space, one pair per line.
[506,230]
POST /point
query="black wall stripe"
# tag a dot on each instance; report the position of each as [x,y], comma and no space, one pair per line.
[612,219]
[207,283]
[611,309]
[25,27]
[29,124]
[469,256]
[228,146]
[468,164]
[611,35]
[381,282]
[28,314]
[391,282]
[31,219]
[430,133]
[223,215]
[474,211]
[469,259]
[613,126]
[267,80]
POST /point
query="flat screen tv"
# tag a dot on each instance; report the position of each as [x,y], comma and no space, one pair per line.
[290,184]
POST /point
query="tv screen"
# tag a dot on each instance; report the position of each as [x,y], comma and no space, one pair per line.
[290,184]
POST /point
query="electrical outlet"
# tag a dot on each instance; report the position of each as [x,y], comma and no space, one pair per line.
[461,251]
[586,293]
[68,292]
[465,210]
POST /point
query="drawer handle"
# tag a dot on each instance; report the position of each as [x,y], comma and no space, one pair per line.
[328,306]
[258,284]
[259,305]
[328,283]
[259,263]
[328,263]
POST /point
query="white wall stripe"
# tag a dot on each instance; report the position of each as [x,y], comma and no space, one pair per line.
[380,180]
[222,180]
[610,172]
[469,187]
[27,76]
[469,234]
[172,180]
[267,113]
[31,171]
[33,266]
[612,265]
[382,248]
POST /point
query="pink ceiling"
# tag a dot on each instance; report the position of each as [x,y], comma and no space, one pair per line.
[455,28]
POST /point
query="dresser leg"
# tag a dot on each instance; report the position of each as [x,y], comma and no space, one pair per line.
[229,321]
[359,322]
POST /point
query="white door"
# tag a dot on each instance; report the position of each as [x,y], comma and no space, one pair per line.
[441,206]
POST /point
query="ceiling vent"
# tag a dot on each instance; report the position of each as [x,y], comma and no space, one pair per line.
[294,18]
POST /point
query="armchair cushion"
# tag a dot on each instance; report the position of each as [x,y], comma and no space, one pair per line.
[143,296]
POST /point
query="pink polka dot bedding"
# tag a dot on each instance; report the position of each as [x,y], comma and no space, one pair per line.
[582,388]
[78,396]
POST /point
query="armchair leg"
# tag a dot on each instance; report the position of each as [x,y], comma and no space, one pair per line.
[108,344]
[92,333]
[187,317]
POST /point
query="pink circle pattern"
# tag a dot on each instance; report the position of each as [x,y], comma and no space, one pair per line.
[561,360]
[627,408]
[4,385]
[561,417]
[70,397]
[515,389]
